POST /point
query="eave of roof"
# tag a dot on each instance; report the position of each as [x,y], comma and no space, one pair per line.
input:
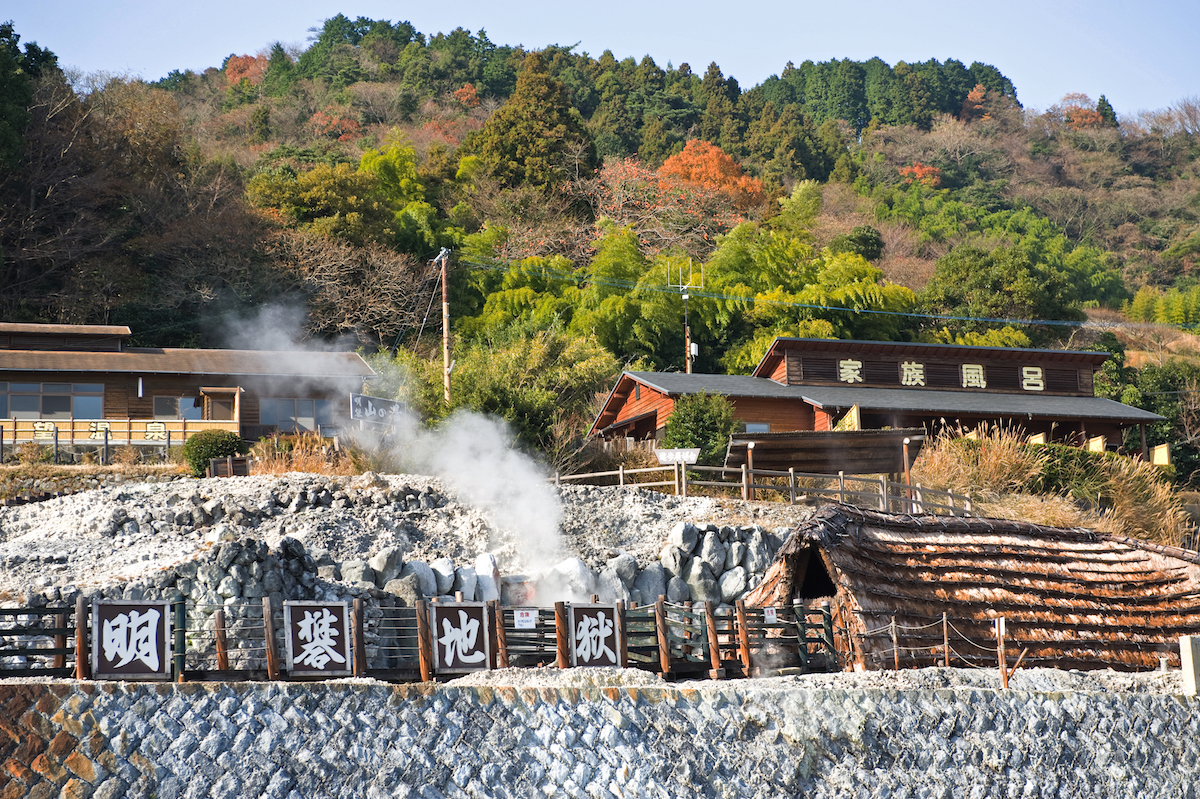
[677,384]
[262,363]
[60,330]
[971,402]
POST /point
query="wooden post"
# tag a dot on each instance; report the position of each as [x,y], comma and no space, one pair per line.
[841,487]
[827,623]
[424,642]
[458,596]
[358,639]
[104,459]
[683,478]
[622,636]
[501,635]
[221,643]
[792,483]
[743,636]
[180,647]
[167,449]
[945,640]
[1001,656]
[60,640]
[883,493]
[621,474]
[269,639]
[562,634]
[895,645]
[660,631]
[687,629]
[714,642]
[55,444]
[83,668]
[907,476]
[594,599]
[749,472]
[745,481]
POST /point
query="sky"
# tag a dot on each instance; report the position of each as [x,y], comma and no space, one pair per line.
[1141,56]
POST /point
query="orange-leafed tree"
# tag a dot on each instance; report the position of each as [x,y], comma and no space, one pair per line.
[467,96]
[252,68]
[921,173]
[710,167]
[973,106]
[1078,111]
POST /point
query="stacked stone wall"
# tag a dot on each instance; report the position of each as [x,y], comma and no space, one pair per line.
[730,740]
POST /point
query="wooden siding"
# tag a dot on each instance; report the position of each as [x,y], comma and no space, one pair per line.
[782,415]
[651,400]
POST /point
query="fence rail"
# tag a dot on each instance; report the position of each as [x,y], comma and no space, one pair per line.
[792,486]
[244,639]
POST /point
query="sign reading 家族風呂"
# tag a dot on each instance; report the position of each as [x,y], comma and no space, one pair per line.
[365,408]
[461,637]
[595,638]
[131,640]
[318,638]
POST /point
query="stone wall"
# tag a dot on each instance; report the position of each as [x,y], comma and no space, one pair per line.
[746,739]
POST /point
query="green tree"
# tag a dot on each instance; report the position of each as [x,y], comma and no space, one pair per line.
[17,73]
[1105,110]
[536,138]
[701,420]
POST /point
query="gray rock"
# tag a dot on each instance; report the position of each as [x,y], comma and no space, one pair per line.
[712,552]
[331,572]
[570,580]
[758,553]
[734,554]
[674,559]
[701,582]
[355,571]
[407,590]
[685,536]
[625,565]
[650,584]
[387,563]
[677,591]
[229,587]
[732,584]
[465,581]
[611,587]
[487,576]
[443,572]
[420,569]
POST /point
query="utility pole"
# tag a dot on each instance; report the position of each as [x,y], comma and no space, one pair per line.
[444,257]
[687,338]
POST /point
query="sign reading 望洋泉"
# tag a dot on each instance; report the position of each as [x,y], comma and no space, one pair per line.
[365,408]
[131,640]
[318,638]
[461,637]
[595,639]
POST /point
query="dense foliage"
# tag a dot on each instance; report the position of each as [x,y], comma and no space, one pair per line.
[202,447]
[703,421]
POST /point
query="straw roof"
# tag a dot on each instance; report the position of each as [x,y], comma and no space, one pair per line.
[1074,598]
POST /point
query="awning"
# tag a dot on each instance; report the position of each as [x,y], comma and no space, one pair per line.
[828,451]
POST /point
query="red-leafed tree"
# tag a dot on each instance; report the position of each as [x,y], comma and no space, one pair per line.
[252,68]
[467,96]
[708,166]
[921,173]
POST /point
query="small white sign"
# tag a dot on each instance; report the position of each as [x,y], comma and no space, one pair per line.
[525,618]
[769,615]
[669,456]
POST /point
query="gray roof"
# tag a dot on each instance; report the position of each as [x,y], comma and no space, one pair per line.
[191,362]
[679,383]
[971,402]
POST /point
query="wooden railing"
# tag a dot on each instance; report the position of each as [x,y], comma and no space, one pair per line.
[791,486]
[119,432]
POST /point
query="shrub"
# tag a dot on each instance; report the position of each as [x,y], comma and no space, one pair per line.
[208,444]
[701,420]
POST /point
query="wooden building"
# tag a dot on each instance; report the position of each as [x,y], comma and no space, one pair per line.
[1071,598]
[819,384]
[82,383]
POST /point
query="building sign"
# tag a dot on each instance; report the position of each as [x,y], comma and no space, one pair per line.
[99,430]
[318,638]
[595,639]
[365,408]
[461,637]
[939,374]
[671,455]
[131,640]
[850,371]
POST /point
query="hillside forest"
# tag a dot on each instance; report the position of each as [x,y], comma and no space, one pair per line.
[579,197]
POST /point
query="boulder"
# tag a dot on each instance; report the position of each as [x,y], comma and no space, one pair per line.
[443,572]
[487,577]
[685,536]
[735,552]
[625,565]
[701,582]
[674,559]
[732,584]
[712,552]
[758,553]
[611,587]
[464,580]
[357,571]
[387,563]
[650,584]
[677,591]
[419,569]
[407,591]
[571,580]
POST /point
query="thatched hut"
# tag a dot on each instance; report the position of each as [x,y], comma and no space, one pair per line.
[1073,598]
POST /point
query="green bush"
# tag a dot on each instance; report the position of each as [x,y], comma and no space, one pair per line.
[701,420]
[208,444]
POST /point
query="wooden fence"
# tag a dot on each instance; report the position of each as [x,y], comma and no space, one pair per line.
[791,486]
[237,641]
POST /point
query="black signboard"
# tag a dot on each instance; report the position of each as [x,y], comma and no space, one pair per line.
[461,637]
[595,639]
[365,408]
[131,640]
[318,638]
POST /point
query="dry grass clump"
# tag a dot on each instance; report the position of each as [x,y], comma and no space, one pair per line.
[301,453]
[1009,479]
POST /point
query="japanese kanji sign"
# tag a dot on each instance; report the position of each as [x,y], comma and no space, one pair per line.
[131,640]
[595,639]
[461,636]
[365,408]
[318,638]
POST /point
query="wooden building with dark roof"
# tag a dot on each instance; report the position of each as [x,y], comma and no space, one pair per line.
[77,382]
[812,384]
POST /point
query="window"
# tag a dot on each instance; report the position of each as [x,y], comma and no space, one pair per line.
[52,400]
[295,415]
[178,408]
[758,427]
